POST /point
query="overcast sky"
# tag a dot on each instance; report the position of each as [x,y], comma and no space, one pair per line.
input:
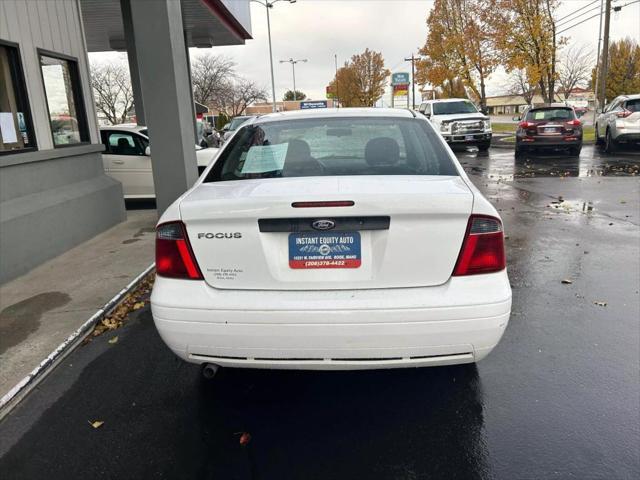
[318,29]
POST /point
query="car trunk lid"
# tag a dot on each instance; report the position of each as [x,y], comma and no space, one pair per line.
[400,231]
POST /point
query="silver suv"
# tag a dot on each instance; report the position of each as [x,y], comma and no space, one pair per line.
[619,123]
[459,122]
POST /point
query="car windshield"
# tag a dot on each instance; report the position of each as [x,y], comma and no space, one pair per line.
[452,108]
[236,122]
[548,114]
[333,146]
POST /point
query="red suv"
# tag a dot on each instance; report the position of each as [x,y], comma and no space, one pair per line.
[549,127]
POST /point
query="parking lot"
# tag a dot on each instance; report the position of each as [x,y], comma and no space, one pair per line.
[558,398]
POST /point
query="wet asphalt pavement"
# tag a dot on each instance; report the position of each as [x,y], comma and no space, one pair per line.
[558,398]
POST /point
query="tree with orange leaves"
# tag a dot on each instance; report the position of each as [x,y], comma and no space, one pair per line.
[524,33]
[361,81]
[458,46]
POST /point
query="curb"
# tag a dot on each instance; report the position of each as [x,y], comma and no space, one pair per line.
[28,383]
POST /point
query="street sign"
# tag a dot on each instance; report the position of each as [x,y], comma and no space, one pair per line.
[401,78]
[330,92]
[313,104]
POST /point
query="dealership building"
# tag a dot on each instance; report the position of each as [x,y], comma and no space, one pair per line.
[54,193]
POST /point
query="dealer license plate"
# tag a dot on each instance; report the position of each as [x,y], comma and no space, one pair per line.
[325,250]
[468,137]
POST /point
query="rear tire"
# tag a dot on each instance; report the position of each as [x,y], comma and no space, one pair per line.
[483,147]
[520,151]
[575,151]
[609,143]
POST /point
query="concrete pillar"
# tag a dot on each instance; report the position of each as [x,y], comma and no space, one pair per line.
[132,56]
[166,93]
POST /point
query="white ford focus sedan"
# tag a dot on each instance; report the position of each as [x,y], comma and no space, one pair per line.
[332,239]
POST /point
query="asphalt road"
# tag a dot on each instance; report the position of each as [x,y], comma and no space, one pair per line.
[558,398]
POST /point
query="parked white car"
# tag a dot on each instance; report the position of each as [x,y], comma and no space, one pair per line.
[127,158]
[333,239]
[459,121]
[619,123]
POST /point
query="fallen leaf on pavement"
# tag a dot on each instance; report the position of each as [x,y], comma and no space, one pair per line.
[138,305]
[96,423]
[566,281]
[245,438]
[600,304]
[113,340]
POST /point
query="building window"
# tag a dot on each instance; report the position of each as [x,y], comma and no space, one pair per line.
[64,99]
[16,128]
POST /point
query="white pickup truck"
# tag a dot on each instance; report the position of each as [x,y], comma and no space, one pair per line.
[459,121]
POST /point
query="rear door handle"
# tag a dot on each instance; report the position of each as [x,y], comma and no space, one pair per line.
[119,162]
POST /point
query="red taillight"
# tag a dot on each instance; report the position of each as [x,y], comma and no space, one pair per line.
[483,247]
[526,124]
[574,123]
[624,113]
[174,257]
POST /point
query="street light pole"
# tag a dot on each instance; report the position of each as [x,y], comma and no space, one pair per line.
[273,81]
[269,5]
[293,67]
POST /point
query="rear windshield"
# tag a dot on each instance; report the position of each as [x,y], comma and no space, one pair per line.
[546,114]
[453,108]
[633,105]
[333,146]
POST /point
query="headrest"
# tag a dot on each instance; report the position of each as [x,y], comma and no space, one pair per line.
[123,142]
[298,149]
[382,151]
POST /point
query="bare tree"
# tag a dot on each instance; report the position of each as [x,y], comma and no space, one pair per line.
[519,84]
[112,90]
[211,75]
[574,69]
[237,95]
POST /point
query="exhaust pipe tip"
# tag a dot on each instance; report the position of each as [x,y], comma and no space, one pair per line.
[209,370]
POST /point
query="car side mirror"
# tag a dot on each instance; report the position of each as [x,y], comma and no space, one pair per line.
[484,111]
[147,151]
[428,115]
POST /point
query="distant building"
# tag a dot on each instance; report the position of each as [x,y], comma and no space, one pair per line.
[512,104]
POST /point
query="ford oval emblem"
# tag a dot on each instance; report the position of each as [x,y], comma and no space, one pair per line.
[323,224]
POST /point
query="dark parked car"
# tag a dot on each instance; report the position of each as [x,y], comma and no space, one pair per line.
[551,127]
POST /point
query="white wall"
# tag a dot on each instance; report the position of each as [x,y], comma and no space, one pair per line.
[53,25]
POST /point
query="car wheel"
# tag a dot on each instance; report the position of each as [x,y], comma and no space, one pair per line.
[483,147]
[609,143]
[520,151]
[575,151]
[599,140]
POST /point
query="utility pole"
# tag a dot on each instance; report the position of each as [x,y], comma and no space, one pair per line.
[605,54]
[596,90]
[337,97]
[293,67]
[413,79]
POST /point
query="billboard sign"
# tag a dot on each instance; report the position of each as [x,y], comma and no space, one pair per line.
[313,104]
[400,78]
[330,92]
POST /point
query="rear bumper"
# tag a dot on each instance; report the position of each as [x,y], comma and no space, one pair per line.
[458,322]
[548,141]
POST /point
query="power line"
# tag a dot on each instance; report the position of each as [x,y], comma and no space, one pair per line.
[564,22]
[576,11]
[615,9]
